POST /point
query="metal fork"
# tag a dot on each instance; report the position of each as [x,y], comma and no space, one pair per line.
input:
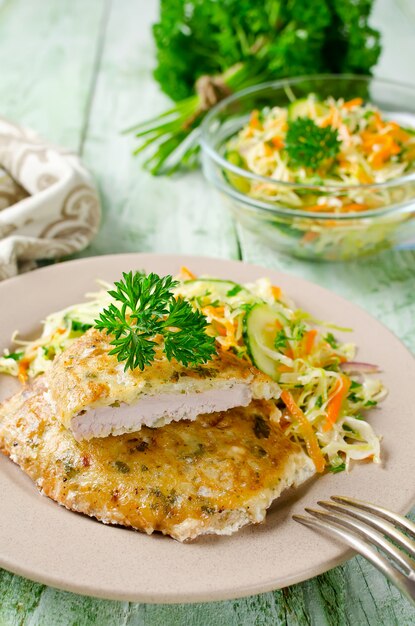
[363,526]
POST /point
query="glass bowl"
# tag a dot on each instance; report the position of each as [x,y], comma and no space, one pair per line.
[327,236]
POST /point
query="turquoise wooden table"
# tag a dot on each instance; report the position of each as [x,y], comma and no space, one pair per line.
[79,71]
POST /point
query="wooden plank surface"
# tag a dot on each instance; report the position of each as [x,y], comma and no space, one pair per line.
[47,56]
[143,213]
[79,71]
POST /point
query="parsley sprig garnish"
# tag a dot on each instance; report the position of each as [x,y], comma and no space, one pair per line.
[148,315]
[310,145]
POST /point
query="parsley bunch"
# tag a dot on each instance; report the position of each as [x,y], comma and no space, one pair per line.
[310,145]
[148,310]
[243,43]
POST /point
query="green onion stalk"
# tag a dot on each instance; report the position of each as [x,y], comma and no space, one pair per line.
[174,135]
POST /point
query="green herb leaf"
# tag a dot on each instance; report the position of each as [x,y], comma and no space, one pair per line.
[77,325]
[147,308]
[331,340]
[49,352]
[234,291]
[298,331]
[337,468]
[122,467]
[16,356]
[281,339]
[309,145]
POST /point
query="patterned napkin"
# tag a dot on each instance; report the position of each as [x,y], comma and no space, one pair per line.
[49,206]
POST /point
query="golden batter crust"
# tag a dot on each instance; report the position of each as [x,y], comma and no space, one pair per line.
[190,477]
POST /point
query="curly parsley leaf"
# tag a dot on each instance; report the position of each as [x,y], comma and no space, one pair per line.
[331,340]
[146,309]
[308,145]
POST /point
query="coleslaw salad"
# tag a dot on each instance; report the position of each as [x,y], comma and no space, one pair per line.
[372,149]
[325,392]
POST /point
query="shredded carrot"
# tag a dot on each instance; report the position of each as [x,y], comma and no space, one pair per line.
[355,102]
[276,292]
[307,431]
[61,331]
[268,150]
[396,132]
[186,274]
[364,177]
[309,341]
[230,339]
[224,327]
[409,155]
[230,326]
[310,236]
[213,311]
[343,162]
[254,119]
[289,352]
[378,158]
[220,329]
[379,147]
[318,207]
[378,121]
[327,121]
[371,139]
[277,142]
[333,118]
[335,403]
[22,370]
[336,118]
[284,368]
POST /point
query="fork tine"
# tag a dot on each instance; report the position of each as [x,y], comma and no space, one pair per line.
[406,586]
[370,535]
[398,520]
[375,522]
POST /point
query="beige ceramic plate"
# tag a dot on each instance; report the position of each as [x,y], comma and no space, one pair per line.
[42,541]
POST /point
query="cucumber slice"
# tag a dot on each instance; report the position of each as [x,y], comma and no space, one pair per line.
[260,330]
[306,107]
[235,158]
[223,289]
[239,182]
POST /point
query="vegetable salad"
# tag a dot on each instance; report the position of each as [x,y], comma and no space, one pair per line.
[331,142]
[325,393]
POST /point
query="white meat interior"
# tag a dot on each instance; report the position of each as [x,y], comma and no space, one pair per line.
[158,410]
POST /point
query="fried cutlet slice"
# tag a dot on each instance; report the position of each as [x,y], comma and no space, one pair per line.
[95,397]
[210,475]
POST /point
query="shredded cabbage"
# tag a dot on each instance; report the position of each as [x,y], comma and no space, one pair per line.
[308,365]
